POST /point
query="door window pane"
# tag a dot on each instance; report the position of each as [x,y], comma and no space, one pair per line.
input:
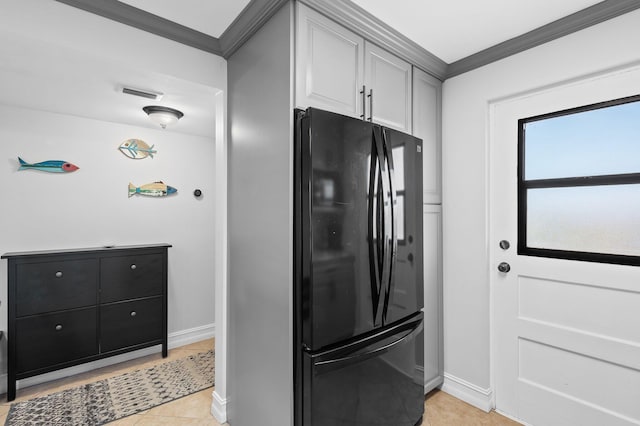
[598,219]
[579,183]
[602,141]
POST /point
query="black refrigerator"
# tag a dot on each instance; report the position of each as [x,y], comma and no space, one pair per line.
[358,279]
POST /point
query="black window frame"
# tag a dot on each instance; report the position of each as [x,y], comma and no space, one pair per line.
[567,182]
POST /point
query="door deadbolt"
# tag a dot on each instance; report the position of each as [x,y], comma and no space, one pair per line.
[504,267]
[504,245]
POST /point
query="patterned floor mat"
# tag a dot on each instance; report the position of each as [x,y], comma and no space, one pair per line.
[110,399]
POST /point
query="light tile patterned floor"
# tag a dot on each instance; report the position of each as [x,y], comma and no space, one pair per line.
[441,409]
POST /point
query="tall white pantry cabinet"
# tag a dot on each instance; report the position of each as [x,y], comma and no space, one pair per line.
[340,71]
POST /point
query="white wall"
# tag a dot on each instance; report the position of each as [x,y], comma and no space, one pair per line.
[467,306]
[91,34]
[261,226]
[90,207]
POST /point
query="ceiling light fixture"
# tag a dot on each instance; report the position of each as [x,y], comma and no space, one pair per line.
[163,115]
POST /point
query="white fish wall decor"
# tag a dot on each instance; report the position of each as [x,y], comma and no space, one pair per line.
[136,149]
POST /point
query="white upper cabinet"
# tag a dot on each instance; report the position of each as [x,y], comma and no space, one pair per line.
[329,65]
[387,80]
[427,100]
[339,71]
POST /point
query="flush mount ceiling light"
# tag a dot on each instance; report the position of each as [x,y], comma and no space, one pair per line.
[163,115]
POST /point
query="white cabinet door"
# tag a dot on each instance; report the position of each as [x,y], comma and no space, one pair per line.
[329,64]
[433,355]
[427,107]
[388,83]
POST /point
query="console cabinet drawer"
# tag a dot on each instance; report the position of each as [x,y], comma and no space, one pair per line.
[130,323]
[46,340]
[129,277]
[57,285]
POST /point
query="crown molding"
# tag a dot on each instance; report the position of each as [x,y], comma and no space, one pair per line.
[137,18]
[358,20]
[241,29]
[577,21]
[353,17]
[248,23]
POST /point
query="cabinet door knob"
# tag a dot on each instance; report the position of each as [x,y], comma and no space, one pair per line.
[133,266]
[133,313]
[58,327]
[59,274]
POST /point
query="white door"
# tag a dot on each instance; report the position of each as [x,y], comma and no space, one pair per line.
[566,333]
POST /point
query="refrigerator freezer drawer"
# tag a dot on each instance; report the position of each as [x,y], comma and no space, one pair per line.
[375,381]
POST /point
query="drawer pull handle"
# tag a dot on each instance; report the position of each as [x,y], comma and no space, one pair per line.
[59,274]
[133,313]
[58,327]
[133,266]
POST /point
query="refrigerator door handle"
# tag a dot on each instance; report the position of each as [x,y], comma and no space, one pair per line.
[382,230]
[374,231]
[392,226]
[408,332]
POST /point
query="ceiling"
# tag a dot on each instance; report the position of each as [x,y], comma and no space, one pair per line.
[49,77]
[43,76]
[210,17]
[451,29]
[455,29]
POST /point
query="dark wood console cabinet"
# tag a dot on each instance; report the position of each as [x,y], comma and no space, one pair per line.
[68,307]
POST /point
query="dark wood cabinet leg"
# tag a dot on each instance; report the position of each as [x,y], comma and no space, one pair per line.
[11,385]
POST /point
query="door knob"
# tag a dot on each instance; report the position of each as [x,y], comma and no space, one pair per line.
[504,267]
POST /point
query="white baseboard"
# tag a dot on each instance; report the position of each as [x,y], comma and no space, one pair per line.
[219,408]
[176,339]
[468,392]
[192,335]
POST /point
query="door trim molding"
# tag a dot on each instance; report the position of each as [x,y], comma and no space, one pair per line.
[468,392]
[219,407]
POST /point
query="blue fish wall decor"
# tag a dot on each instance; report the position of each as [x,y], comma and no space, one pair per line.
[155,189]
[51,166]
[136,149]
